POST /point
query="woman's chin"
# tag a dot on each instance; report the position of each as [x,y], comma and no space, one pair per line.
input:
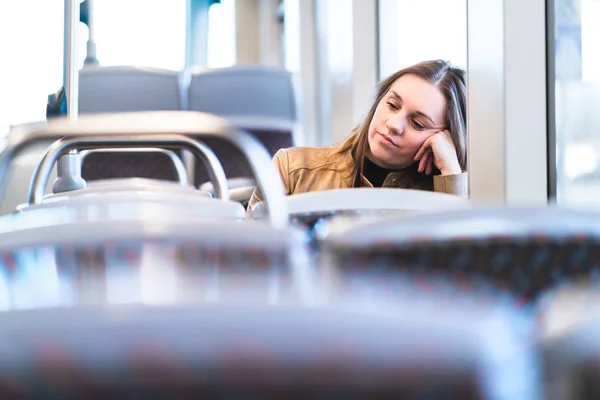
[385,161]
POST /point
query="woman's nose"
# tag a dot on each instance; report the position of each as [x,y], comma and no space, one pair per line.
[396,124]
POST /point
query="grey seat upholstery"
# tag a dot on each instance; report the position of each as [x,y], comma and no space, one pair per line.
[258,99]
[244,92]
[124,89]
[127,88]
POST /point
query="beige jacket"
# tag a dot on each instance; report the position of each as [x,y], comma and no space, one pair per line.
[310,169]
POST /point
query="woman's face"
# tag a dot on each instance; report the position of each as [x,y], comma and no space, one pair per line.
[409,113]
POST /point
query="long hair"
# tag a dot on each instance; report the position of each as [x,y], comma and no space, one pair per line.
[450,81]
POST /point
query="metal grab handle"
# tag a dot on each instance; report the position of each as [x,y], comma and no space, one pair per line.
[177,162]
[190,123]
[43,170]
[266,175]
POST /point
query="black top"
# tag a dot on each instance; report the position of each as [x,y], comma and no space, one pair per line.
[374,173]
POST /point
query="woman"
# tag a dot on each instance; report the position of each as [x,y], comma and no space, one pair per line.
[413,137]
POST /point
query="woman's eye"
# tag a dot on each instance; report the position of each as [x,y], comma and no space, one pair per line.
[392,106]
[418,126]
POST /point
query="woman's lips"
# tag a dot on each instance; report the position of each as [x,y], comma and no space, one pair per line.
[387,140]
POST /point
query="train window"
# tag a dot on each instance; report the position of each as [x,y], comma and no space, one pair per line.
[221,34]
[576,95]
[31,49]
[291,35]
[147,33]
[412,31]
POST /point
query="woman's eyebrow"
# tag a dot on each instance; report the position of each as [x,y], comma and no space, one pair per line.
[424,115]
[397,96]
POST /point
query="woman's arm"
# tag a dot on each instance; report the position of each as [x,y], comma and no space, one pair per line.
[439,151]
[452,184]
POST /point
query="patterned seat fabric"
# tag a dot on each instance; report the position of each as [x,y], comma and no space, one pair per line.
[158,166]
[525,266]
[233,161]
[128,165]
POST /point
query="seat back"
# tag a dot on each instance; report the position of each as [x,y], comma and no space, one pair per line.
[316,211]
[125,89]
[201,350]
[246,92]
[123,130]
[524,250]
[145,252]
[258,99]
[19,177]
[569,328]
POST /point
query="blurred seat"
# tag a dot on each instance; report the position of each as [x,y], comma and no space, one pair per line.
[125,89]
[143,130]
[240,189]
[569,332]
[374,349]
[258,99]
[168,242]
[523,250]
[146,252]
[19,178]
[312,210]
[183,237]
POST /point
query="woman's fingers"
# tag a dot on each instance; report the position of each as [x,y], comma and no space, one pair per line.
[430,160]
[425,161]
[422,162]
[424,147]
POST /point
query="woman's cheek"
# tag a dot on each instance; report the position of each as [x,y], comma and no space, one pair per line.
[413,147]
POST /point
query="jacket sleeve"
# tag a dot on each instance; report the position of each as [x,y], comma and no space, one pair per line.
[457,184]
[281,163]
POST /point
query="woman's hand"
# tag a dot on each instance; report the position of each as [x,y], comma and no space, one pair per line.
[438,150]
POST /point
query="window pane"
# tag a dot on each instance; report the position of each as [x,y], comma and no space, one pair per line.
[147,33]
[413,31]
[577,93]
[291,35]
[221,34]
[31,49]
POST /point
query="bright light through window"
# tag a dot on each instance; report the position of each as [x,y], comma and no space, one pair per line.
[148,33]
[31,49]
[590,38]
[414,31]
[577,92]
[221,34]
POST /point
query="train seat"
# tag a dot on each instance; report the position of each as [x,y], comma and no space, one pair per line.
[359,349]
[257,99]
[312,210]
[525,250]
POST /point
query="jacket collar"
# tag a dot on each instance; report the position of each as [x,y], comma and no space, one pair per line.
[345,162]
[406,178]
